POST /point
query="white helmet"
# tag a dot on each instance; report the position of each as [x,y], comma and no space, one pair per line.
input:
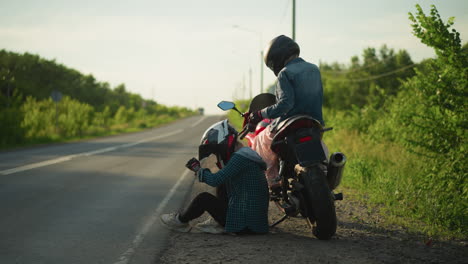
[219,139]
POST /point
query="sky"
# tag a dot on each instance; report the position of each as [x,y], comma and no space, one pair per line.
[198,53]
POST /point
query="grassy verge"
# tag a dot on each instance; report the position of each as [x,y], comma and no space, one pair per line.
[386,177]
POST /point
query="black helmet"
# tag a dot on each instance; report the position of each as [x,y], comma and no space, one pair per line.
[278,51]
[219,139]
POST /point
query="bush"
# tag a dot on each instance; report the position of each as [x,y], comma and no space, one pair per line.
[11,133]
[410,153]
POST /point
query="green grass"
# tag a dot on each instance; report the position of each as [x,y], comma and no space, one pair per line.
[387,177]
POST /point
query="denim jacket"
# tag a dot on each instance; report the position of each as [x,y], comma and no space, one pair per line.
[298,91]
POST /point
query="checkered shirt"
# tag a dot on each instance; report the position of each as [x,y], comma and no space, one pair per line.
[247,190]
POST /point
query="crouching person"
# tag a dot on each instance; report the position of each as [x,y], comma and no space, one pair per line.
[243,176]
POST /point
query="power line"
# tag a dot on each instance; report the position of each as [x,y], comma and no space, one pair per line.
[362,67]
[375,77]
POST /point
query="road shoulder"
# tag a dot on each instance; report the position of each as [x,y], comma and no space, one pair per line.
[359,239]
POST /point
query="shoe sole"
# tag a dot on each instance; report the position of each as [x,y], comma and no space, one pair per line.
[178,229]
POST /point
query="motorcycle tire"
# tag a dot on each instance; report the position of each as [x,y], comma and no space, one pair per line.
[320,205]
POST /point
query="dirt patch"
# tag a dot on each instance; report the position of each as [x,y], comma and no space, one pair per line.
[359,239]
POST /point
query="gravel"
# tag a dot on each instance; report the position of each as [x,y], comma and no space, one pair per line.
[360,238]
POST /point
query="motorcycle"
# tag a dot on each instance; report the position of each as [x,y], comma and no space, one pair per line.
[307,178]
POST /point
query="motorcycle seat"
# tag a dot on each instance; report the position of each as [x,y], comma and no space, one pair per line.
[285,127]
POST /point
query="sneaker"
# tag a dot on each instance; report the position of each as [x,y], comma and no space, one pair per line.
[172,222]
[210,226]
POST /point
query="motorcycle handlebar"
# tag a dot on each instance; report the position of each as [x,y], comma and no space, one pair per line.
[245,129]
[244,132]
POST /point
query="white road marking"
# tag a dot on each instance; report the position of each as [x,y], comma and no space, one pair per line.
[128,254]
[199,121]
[84,154]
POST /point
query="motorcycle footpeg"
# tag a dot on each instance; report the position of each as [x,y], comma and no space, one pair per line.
[338,196]
[287,209]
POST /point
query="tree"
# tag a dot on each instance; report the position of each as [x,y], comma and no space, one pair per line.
[369,83]
[434,123]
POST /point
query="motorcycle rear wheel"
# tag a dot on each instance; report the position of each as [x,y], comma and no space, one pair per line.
[320,205]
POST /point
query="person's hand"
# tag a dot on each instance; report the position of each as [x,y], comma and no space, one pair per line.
[255,118]
[193,164]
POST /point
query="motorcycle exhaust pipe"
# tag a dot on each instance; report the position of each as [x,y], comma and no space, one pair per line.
[335,169]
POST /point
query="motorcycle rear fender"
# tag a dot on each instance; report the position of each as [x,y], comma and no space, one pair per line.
[307,147]
[299,136]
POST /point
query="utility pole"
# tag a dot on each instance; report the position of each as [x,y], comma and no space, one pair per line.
[243,86]
[294,20]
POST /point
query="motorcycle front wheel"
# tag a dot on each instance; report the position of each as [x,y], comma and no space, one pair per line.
[320,206]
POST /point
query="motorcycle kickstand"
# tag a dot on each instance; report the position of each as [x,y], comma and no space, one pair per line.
[280,220]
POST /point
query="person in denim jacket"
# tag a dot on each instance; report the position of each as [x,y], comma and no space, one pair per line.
[299,87]
[298,91]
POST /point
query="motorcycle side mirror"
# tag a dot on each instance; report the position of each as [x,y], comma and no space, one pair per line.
[225,105]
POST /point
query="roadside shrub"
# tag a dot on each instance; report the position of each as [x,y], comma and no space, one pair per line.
[11,132]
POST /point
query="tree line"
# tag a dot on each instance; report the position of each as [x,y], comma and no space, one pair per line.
[88,107]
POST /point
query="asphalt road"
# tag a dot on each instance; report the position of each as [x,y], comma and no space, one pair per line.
[95,201]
